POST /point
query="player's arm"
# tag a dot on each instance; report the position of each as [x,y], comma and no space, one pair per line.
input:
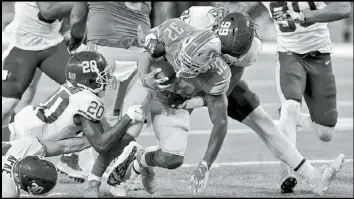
[102,140]
[66,146]
[54,10]
[217,108]
[78,18]
[334,11]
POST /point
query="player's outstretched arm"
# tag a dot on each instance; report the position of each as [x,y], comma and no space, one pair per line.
[55,10]
[102,140]
[334,11]
[78,18]
[66,146]
[217,108]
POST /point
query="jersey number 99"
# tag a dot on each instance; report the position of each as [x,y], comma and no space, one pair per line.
[224,28]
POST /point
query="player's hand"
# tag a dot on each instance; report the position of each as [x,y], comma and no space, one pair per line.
[149,80]
[297,17]
[195,102]
[136,113]
[73,43]
[199,178]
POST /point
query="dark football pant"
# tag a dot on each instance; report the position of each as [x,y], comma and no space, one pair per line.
[21,66]
[309,75]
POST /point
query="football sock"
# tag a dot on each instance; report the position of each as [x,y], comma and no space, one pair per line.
[260,121]
[8,107]
[304,120]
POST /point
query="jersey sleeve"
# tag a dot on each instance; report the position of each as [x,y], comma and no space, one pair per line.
[87,105]
[217,79]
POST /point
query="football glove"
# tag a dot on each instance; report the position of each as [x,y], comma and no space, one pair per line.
[149,81]
[136,113]
[195,102]
[200,177]
[297,17]
[73,43]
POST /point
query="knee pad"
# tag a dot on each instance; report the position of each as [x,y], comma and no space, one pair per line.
[324,133]
[242,102]
[171,161]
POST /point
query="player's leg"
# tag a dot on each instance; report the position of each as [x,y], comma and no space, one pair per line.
[320,96]
[28,96]
[171,128]
[18,70]
[248,111]
[291,81]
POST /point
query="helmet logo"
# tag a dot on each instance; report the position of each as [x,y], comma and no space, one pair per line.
[35,189]
[72,76]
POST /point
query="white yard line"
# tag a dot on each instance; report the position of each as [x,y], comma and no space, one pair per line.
[257,163]
[343,124]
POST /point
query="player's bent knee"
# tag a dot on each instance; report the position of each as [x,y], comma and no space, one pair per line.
[323,133]
[172,161]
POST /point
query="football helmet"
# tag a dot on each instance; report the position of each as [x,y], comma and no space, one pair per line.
[236,32]
[194,53]
[88,70]
[35,175]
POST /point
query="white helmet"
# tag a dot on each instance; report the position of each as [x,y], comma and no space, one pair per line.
[195,52]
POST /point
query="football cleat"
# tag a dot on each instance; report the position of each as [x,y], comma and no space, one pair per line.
[68,165]
[120,170]
[288,184]
[324,175]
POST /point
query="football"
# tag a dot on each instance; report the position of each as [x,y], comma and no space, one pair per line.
[166,71]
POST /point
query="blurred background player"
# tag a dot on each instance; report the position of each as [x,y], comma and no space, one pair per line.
[305,69]
[116,30]
[34,43]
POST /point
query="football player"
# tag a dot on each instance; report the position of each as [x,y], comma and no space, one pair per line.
[76,107]
[34,44]
[116,30]
[304,69]
[194,57]
[23,168]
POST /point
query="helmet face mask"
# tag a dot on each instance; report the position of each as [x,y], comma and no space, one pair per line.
[35,175]
[195,52]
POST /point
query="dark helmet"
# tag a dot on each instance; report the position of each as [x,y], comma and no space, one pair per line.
[88,70]
[236,32]
[35,175]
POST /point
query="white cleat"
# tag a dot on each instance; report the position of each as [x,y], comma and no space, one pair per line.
[121,168]
[325,175]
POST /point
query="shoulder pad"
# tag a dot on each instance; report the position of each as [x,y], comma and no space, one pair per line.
[88,105]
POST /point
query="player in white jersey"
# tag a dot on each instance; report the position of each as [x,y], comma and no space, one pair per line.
[304,69]
[75,107]
[34,44]
[23,168]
